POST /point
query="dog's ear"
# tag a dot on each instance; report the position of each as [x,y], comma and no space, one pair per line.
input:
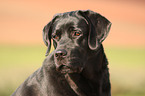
[47,31]
[47,37]
[99,28]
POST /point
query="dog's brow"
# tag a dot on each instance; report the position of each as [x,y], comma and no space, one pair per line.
[73,28]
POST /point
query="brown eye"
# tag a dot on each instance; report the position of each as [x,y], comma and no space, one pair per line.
[77,33]
[55,37]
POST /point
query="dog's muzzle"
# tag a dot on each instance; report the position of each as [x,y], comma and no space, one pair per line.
[62,64]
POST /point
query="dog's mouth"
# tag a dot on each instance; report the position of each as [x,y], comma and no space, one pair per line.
[67,69]
[64,69]
[68,65]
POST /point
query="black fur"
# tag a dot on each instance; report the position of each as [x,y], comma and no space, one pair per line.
[78,65]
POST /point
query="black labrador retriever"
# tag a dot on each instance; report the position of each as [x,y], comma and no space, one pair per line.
[78,65]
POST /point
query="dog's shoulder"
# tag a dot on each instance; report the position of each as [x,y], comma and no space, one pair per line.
[34,84]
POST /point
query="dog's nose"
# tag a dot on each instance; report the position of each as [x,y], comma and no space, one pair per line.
[60,53]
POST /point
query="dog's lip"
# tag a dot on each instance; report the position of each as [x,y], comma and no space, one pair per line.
[67,69]
[62,67]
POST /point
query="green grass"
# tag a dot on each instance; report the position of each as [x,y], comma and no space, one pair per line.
[16,64]
[21,55]
[126,68]
[131,57]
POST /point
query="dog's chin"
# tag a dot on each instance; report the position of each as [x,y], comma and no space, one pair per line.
[66,69]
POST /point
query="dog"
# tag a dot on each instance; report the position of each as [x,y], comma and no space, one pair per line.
[78,66]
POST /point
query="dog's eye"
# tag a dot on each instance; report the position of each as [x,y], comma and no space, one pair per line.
[77,33]
[55,37]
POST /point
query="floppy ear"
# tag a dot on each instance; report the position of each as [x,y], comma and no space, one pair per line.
[47,37]
[47,31]
[99,28]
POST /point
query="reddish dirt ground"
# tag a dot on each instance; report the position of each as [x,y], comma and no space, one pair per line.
[21,22]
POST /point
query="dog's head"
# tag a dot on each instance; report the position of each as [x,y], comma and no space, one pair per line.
[74,35]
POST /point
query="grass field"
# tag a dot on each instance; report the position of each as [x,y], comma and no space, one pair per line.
[126,68]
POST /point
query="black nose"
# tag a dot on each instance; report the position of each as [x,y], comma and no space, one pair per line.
[60,53]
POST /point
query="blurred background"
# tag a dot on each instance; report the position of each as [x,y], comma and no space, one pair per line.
[22,50]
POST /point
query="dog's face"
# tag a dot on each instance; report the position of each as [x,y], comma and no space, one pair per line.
[69,34]
[74,35]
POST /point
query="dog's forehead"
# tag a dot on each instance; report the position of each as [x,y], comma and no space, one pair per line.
[66,22]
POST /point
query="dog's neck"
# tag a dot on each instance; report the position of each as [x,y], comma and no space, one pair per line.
[74,84]
[95,63]
[88,83]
